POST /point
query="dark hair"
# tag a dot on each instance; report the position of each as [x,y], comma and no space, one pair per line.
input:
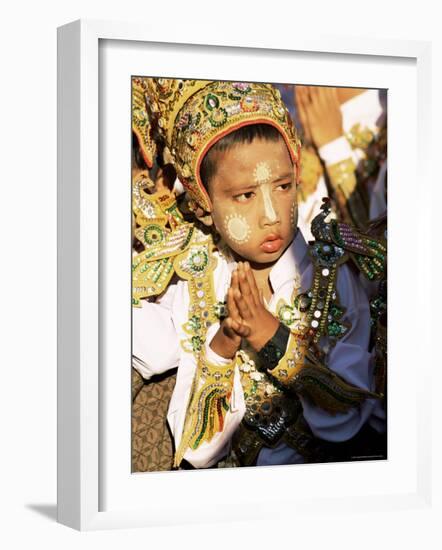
[137,158]
[245,134]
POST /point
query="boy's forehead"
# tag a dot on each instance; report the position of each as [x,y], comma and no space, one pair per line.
[243,158]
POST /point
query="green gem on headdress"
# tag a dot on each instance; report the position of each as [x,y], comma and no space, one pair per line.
[211,102]
[218,117]
[241,87]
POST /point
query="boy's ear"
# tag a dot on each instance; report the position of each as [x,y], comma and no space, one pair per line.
[203,216]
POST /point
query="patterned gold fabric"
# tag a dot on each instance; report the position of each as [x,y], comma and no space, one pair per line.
[152,447]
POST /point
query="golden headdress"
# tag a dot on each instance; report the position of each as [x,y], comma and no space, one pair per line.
[141,126]
[193,115]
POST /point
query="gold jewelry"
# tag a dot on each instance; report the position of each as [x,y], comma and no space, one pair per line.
[343,176]
[359,136]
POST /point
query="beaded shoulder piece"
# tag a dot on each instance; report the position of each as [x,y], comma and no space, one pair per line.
[162,231]
[153,269]
[369,254]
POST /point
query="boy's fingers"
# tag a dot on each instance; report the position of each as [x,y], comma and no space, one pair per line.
[243,308]
[252,283]
[231,306]
[234,281]
[230,328]
[246,291]
[244,330]
[236,328]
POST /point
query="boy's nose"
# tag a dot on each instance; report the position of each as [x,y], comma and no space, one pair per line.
[269,213]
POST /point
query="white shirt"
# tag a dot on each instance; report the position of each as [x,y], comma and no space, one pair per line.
[158,329]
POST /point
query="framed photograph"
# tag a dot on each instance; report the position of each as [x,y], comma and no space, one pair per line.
[189,176]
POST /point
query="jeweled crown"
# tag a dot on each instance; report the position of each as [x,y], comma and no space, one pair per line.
[193,115]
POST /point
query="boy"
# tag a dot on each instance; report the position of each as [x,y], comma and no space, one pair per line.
[285,367]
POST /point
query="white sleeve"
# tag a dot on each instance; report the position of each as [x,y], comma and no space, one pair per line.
[352,361]
[335,151]
[311,207]
[155,345]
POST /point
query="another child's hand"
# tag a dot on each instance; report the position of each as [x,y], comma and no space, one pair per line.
[320,112]
[258,324]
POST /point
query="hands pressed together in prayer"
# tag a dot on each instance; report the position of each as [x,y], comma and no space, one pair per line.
[247,316]
[319,113]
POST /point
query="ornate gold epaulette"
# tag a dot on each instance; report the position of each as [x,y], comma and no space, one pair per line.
[161,229]
[368,253]
[153,269]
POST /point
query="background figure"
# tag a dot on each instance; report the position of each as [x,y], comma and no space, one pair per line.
[312,186]
[346,129]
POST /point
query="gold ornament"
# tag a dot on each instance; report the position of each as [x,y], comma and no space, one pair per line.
[194,114]
[140,121]
[310,172]
[343,176]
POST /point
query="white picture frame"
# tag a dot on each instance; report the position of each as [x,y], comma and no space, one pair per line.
[86,468]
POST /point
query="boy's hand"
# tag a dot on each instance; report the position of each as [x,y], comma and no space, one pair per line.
[258,324]
[227,340]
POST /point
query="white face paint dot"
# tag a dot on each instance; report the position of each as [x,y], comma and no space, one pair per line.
[238,228]
[262,173]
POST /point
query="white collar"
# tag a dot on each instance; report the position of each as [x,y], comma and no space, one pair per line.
[293,262]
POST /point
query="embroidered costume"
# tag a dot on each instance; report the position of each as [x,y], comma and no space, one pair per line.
[322,387]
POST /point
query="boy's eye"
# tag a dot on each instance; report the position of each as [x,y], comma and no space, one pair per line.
[285,186]
[243,197]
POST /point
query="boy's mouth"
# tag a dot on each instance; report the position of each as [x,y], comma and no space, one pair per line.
[272,243]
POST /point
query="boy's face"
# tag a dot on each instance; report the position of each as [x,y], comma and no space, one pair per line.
[253,193]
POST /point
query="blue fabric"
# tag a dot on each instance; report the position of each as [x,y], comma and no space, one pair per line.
[281,454]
